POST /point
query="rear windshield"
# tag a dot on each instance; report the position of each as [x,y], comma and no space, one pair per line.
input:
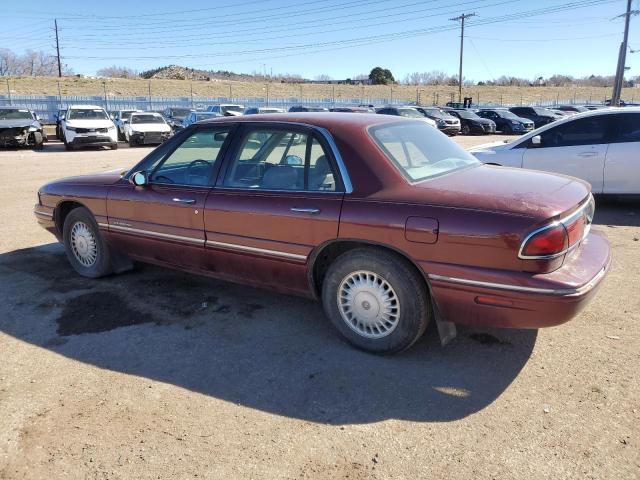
[146,119]
[14,114]
[86,114]
[419,150]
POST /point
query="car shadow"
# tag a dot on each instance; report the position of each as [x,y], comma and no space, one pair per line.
[251,347]
[617,211]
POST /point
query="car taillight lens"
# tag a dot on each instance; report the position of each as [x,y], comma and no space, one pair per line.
[548,241]
[575,229]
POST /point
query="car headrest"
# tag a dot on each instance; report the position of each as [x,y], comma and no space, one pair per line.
[280,177]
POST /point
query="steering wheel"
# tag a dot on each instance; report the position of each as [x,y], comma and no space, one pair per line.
[445,161]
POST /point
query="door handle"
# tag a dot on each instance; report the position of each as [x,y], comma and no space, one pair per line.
[305,210]
[587,154]
[188,201]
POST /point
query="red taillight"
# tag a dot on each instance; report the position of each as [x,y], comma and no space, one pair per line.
[575,230]
[548,241]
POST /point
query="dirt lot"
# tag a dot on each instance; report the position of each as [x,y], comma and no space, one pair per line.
[219,88]
[159,374]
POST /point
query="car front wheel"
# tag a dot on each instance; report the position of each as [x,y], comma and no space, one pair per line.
[377,301]
[86,250]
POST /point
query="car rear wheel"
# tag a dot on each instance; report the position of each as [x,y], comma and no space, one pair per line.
[376,300]
[114,146]
[86,250]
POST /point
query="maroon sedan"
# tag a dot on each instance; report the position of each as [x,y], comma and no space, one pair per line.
[384,219]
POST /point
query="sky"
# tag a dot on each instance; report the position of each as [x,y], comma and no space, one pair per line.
[339,38]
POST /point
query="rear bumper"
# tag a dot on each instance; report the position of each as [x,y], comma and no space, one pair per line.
[481,297]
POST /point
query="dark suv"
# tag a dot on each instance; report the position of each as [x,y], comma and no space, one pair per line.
[539,116]
[507,122]
[470,123]
[305,108]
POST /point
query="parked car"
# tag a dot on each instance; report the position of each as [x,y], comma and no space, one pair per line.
[407,112]
[194,117]
[146,128]
[598,146]
[538,115]
[120,119]
[508,123]
[560,113]
[572,108]
[256,110]
[446,123]
[57,117]
[226,109]
[353,109]
[378,216]
[88,126]
[20,127]
[306,108]
[175,116]
[471,124]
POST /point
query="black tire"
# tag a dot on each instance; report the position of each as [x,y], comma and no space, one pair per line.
[114,146]
[120,134]
[465,130]
[412,303]
[101,265]
[69,147]
[132,143]
[507,130]
[37,141]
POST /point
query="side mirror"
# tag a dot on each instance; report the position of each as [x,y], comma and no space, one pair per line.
[139,179]
[536,141]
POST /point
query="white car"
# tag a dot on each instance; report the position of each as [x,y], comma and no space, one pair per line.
[87,126]
[256,110]
[146,128]
[599,146]
[120,118]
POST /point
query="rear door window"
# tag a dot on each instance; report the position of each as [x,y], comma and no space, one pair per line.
[593,130]
[627,128]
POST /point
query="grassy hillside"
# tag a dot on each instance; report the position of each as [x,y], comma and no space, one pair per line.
[216,88]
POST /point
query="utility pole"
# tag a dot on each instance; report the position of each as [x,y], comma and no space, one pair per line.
[622,56]
[461,18]
[55,22]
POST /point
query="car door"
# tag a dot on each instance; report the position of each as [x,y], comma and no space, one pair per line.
[278,196]
[163,220]
[577,148]
[622,164]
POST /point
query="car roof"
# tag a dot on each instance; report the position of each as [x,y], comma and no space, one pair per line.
[327,120]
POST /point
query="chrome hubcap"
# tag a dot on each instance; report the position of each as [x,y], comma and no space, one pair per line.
[368,304]
[83,244]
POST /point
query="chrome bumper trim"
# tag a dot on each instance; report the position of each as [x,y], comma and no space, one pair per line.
[150,233]
[517,288]
[244,248]
[43,214]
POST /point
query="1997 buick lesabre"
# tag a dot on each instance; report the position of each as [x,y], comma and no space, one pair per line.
[384,219]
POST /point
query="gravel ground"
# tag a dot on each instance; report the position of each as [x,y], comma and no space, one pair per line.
[160,374]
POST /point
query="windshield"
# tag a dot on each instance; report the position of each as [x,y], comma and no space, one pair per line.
[126,114]
[466,114]
[435,112]
[146,119]
[15,114]
[87,114]
[507,114]
[410,113]
[180,112]
[419,151]
[232,108]
[543,111]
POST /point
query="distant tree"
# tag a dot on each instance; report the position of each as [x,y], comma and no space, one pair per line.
[116,72]
[31,63]
[323,77]
[381,76]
